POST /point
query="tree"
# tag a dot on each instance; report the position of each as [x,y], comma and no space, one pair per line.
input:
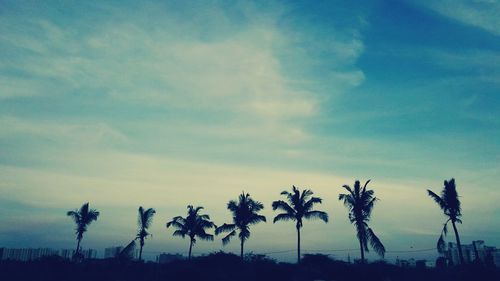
[450,204]
[245,213]
[299,206]
[193,225]
[360,202]
[144,220]
[82,218]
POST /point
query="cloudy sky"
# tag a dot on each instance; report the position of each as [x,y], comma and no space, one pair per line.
[168,104]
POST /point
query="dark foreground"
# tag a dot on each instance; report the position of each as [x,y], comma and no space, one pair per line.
[220,266]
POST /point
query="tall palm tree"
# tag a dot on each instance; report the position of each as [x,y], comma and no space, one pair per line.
[193,225]
[299,207]
[450,204]
[245,213]
[144,220]
[82,218]
[360,202]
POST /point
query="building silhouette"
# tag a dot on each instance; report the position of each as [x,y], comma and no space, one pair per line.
[112,252]
[166,258]
[26,254]
[477,251]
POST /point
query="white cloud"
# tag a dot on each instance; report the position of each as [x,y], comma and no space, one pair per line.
[236,73]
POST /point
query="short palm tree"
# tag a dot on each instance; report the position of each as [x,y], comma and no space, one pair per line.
[360,202]
[144,220]
[82,218]
[193,225]
[299,207]
[450,204]
[245,213]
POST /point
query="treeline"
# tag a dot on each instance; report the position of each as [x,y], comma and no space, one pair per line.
[222,266]
[296,206]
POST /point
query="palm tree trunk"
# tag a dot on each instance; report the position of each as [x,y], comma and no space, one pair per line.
[362,251]
[458,242]
[140,254]
[298,244]
[78,245]
[241,250]
[190,248]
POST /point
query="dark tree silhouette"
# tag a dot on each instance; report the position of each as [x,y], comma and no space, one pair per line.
[82,218]
[360,202]
[144,220]
[299,207]
[193,225]
[450,204]
[245,213]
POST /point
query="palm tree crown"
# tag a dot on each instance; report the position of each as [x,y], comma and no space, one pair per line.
[360,202]
[144,220]
[245,213]
[450,204]
[299,206]
[82,218]
[193,225]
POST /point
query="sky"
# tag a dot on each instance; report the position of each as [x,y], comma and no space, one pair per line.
[164,104]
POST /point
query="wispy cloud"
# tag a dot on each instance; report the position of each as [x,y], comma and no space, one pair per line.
[484,14]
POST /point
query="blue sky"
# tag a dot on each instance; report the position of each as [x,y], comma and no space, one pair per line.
[168,104]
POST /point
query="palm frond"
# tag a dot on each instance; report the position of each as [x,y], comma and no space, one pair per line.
[205,236]
[176,224]
[306,193]
[74,215]
[441,246]
[348,188]
[445,228]
[437,199]
[127,252]
[283,206]
[232,206]
[375,243]
[348,200]
[227,238]
[284,217]
[244,233]
[224,228]
[180,232]
[316,215]
[310,203]
[256,219]
[366,183]
[204,224]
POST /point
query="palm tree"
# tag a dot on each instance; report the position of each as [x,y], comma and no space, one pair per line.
[360,202]
[245,213]
[450,204]
[144,220]
[194,225]
[82,218]
[299,207]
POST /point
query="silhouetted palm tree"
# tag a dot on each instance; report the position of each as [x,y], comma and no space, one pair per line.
[450,204]
[245,213]
[299,207]
[360,202]
[194,225]
[82,218]
[144,220]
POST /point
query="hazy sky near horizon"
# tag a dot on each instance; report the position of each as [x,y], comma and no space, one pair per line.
[164,104]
